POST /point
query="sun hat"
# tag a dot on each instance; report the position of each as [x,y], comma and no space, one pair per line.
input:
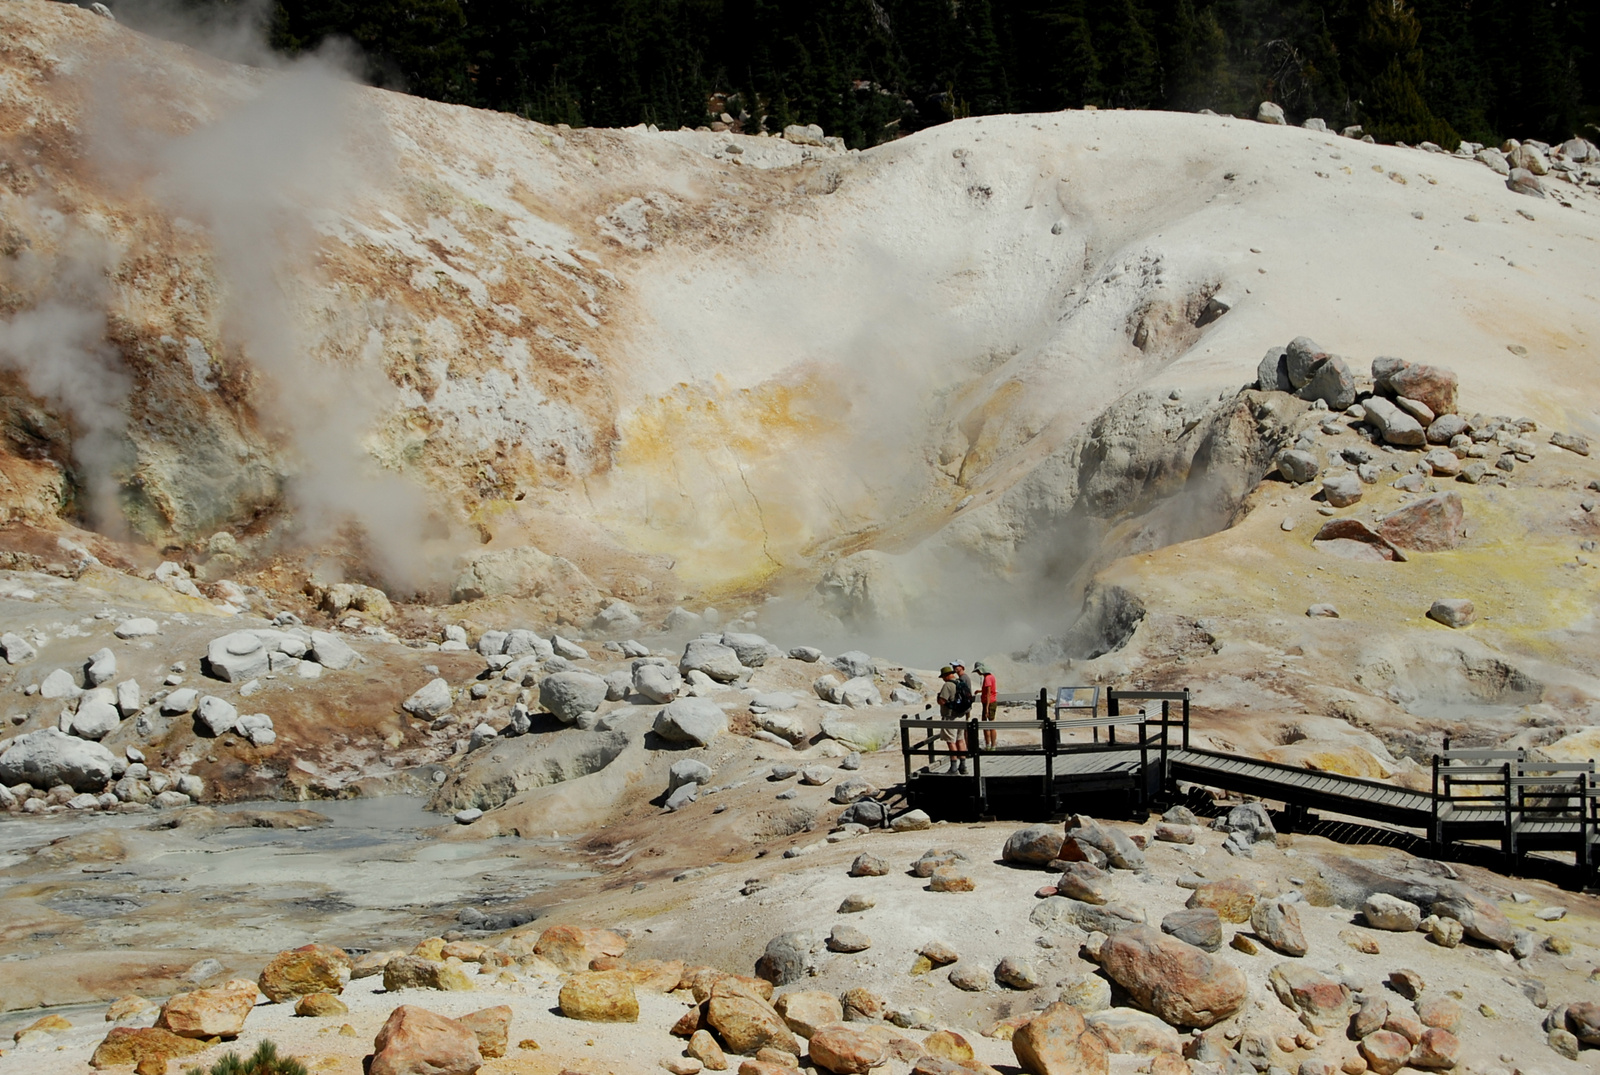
[947,671]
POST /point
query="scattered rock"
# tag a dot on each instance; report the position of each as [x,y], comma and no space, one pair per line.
[1342,489]
[845,1051]
[1200,926]
[430,702]
[313,968]
[1278,923]
[209,1013]
[1176,981]
[601,996]
[698,721]
[867,865]
[1127,1030]
[1430,524]
[569,695]
[415,972]
[1352,539]
[1386,912]
[1453,612]
[1057,1041]
[1394,425]
[1572,442]
[1385,1051]
[704,1048]
[711,657]
[788,958]
[1036,845]
[950,879]
[126,1046]
[1479,917]
[415,1041]
[320,1006]
[1270,113]
[807,1011]
[746,1022]
[1233,899]
[1322,1002]
[573,949]
[50,757]
[848,939]
[1017,973]
[1297,467]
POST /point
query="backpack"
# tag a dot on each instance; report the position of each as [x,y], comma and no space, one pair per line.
[963,694]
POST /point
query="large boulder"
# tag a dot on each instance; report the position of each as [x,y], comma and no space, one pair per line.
[808,1010]
[1386,912]
[1057,1041]
[788,957]
[127,1046]
[430,702]
[751,649]
[1278,923]
[50,757]
[745,1021]
[1036,845]
[696,721]
[1322,1002]
[865,736]
[574,949]
[298,972]
[600,997]
[858,693]
[1333,383]
[844,1050]
[331,651]
[209,1013]
[1479,916]
[569,695]
[237,657]
[1429,524]
[708,655]
[853,665]
[415,1041]
[657,682]
[1180,983]
[1433,386]
[418,972]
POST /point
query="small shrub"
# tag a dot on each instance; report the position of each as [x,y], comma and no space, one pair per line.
[264,1061]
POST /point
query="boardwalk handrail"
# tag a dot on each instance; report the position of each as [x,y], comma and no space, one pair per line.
[1115,698]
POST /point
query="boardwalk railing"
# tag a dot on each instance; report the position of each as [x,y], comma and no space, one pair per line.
[1033,766]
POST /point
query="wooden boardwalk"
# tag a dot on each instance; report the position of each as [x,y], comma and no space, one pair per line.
[1044,767]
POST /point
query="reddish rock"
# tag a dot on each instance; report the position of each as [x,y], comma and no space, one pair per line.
[704,1048]
[1321,1002]
[807,1011]
[209,1013]
[863,1005]
[1385,1051]
[1480,917]
[1404,1023]
[845,1051]
[1583,1020]
[1353,539]
[690,1022]
[1058,1042]
[1438,1049]
[1433,386]
[574,949]
[1441,1012]
[415,1041]
[1278,923]
[1430,524]
[1177,981]
[1084,881]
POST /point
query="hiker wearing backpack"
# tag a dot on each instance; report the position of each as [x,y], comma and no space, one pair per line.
[949,709]
[964,698]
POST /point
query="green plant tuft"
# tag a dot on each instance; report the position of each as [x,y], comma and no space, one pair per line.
[264,1061]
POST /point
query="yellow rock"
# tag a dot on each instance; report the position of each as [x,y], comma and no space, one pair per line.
[948,1044]
[50,1024]
[320,1006]
[601,996]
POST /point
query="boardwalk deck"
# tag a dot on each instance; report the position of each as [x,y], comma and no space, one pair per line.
[1041,768]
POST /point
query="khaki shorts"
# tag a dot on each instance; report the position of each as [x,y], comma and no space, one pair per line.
[989,710]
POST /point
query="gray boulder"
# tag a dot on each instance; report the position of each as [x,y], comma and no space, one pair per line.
[691,720]
[1272,373]
[1333,383]
[859,693]
[331,651]
[430,702]
[1270,113]
[128,697]
[562,647]
[59,684]
[854,664]
[16,649]
[257,727]
[789,957]
[617,618]
[96,718]
[617,684]
[775,701]
[1303,356]
[688,771]
[1249,820]
[569,695]
[181,701]
[1341,489]
[520,643]
[1297,466]
[237,657]
[101,667]
[492,643]
[711,657]
[751,649]
[1392,423]
[808,654]
[1036,845]
[215,717]
[682,796]
[659,683]
[1383,911]
[49,757]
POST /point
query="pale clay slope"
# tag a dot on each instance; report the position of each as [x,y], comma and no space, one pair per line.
[728,366]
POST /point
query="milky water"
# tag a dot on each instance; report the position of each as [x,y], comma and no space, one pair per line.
[379,875]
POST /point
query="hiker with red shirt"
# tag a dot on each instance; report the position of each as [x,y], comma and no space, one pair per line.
[988,701]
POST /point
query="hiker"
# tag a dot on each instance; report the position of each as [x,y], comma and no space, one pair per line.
[949,709]
[988,702]
[963,691]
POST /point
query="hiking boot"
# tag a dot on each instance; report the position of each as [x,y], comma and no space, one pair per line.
[963,769]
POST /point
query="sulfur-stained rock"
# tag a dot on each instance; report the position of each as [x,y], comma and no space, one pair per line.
[861,1005]
[492,1027]
[844,1050]
[1178,982]
[127,1046]
[746,1022]
[415,1041]
[807,1010]
[949,1044]
[1278,923]
[600,997]
[313,968]
[1057,1041]
[1429,524]
[1385,1051]
[1321,1002]
[1231,898]
[416,972]
[209,1013]
[1127,1030]
[1036,845]
[1479,916]
[704,1048]
[574,949]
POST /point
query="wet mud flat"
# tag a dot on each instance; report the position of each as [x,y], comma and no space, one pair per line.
[93,905]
